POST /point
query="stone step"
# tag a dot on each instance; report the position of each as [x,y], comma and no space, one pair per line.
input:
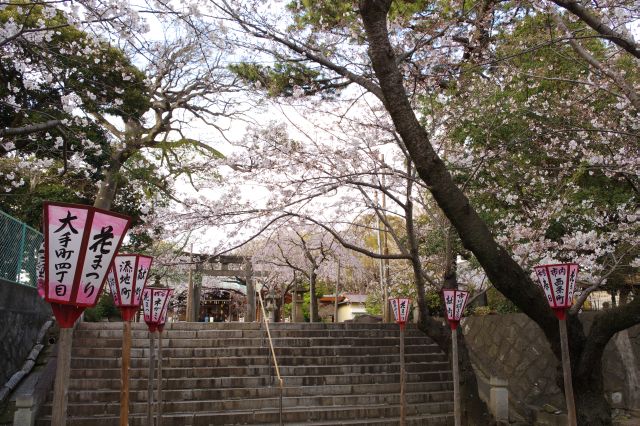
[222,373]
[244,371]
[83,384]
[307,352]
[432,400]
[265,359]
[293,342]
[226,334]
[416,404]
[262,392]
[245,326]
[204,420]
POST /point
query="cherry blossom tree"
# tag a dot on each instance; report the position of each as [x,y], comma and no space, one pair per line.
[405,53]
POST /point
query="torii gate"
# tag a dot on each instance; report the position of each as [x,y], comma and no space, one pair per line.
[218,266]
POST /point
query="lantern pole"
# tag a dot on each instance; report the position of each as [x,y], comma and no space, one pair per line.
[456,376]
[400,308]
[63,367]
[152,348]
[454,303]
[566,370]
[557,282]
[124,376]
[403,402]
[159,404]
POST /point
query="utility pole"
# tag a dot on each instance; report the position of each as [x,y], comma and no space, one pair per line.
[335,306]
[385,240]
[189,317]
[251,292]
[383,290]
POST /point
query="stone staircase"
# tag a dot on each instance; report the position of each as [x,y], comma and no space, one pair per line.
[222,373]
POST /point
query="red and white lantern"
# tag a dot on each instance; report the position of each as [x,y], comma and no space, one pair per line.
[558,282]
[454,301]
[127,277]
[400,307]
[155,303]
[79,245]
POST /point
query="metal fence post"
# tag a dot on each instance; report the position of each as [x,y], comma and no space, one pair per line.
[23,236]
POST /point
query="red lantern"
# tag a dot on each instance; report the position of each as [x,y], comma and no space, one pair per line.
[558,282]
[79,245]
[454,301]
[400,307]
[155,302]
[127,277]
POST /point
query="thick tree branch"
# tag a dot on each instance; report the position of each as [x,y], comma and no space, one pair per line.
[32,128]
[626,88]
[501,269]
[605,325]
[600,27]
[345,243]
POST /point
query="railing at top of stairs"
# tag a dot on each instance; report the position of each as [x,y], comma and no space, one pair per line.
[273,352]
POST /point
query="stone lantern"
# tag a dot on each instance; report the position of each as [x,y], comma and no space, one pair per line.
[298,301]
[270,302]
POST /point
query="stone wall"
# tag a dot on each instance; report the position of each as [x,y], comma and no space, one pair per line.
[22,314]
[513,347]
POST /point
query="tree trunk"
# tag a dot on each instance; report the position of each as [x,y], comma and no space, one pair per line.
[474,410]
[591,407]
[624,295]
[108,187]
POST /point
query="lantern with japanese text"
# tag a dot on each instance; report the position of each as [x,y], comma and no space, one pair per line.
[79,245]
[163,315]
[155,303]
[400,308]
[454,301]
[127,277]
[558,282]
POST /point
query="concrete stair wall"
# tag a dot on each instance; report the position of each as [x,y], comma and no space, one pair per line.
[222,373]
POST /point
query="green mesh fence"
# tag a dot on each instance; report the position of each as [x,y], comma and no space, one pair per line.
[19,245]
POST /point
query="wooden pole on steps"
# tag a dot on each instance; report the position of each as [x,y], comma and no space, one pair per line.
[456,377]
[566,370]
[124,376]
[403,402]
[152,359]
[159,404]
[63,367]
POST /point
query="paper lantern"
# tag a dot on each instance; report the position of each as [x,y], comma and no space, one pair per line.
[400,307]
[163,315]
[127,277]
[454,301]
[558,282]
[80,243]
[155,303]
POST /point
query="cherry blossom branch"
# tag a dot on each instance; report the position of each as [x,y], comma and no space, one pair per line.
[625,42]
[626,88]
